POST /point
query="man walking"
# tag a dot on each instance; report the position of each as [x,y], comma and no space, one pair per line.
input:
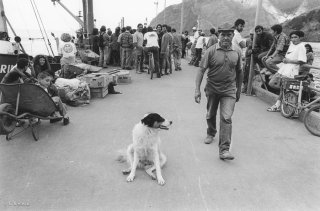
[224,78]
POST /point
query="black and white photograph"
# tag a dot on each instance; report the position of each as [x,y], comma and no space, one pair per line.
[182,105]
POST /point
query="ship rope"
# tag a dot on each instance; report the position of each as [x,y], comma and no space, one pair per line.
[44,29]
[39,26]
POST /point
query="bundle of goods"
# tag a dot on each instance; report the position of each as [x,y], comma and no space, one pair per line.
[73,92]
[74,70]
[89,57]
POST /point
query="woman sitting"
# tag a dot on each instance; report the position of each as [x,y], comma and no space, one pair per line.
[310,57]
[40,64]
[295,56]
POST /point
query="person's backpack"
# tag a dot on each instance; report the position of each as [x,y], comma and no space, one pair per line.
[126,40]
[101,40]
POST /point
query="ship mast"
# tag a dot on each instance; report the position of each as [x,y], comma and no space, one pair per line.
[3,24]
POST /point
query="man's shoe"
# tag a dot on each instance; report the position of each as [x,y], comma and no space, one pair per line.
[57,119]
[209,139]
[226,155]
[66,121]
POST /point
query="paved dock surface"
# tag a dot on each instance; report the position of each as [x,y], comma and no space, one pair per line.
[277,165]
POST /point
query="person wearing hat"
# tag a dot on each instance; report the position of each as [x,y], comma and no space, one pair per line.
[224,79]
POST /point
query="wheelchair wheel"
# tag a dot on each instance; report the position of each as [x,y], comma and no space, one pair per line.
[311,120]
[7,123]
[289,104]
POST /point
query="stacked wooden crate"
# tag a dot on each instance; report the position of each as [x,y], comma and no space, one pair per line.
[98,84]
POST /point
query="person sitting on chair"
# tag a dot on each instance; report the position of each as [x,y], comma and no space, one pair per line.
[45,82]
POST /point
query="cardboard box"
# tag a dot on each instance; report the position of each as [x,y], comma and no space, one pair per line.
[98,80]
[124,77]
[98,92]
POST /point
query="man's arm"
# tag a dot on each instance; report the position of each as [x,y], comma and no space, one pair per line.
[271,48]
[242,44]
[199,77]
[239,77]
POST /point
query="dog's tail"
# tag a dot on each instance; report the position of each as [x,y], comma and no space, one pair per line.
[122,156]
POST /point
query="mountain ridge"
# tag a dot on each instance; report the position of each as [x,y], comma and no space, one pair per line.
[212,13]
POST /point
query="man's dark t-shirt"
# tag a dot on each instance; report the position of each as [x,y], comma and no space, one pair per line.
[222,66]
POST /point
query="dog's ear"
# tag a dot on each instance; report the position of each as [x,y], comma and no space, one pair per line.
[148,120]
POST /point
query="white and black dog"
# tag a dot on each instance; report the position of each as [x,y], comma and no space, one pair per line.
[145,151]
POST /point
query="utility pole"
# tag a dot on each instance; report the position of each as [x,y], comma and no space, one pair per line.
[251,73]
[90,16]
[164,11]
[122,22]
[181,19]
[84,10]
[157,5]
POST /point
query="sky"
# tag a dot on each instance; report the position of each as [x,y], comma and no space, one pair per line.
[56,19]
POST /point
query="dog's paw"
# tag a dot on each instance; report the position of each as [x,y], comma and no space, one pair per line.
[161,181]
[130,178]
[126,171]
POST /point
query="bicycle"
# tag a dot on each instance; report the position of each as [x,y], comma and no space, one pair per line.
[292,103]
[151,67]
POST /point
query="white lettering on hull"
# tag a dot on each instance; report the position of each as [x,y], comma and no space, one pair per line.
[5,68]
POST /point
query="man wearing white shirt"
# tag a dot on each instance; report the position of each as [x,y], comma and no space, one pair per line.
[151,40]
[237,38]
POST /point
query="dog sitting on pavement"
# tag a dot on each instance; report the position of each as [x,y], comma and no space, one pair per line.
[145,151]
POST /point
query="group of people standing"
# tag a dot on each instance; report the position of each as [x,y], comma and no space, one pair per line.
[129,48]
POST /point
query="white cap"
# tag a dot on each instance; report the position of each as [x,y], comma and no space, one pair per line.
[194,28]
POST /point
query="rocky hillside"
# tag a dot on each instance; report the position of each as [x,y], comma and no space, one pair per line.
[212,13]
[308,23]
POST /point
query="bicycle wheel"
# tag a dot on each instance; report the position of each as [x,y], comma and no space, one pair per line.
[311,120]
[289,104]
